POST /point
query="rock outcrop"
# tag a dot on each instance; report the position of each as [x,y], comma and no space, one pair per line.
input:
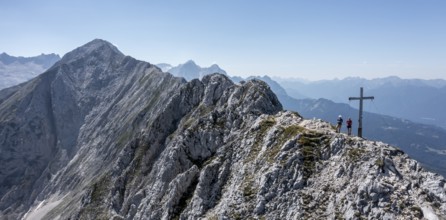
[119,139]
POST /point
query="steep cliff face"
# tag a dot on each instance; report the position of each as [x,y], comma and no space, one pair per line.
[88,99]
[119,139]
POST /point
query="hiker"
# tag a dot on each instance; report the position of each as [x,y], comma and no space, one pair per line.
[338,128]
[349,126]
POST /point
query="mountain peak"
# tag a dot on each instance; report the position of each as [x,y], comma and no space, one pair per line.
[96,47]
[190,63]
[4,56]
[98,42]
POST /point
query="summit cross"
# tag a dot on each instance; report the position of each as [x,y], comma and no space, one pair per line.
[360,98]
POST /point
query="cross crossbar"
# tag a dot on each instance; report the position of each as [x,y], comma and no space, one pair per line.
[360,98]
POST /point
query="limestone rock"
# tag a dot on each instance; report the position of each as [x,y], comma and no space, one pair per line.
[116,138]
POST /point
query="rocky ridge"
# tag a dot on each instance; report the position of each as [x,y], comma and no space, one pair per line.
[126,141]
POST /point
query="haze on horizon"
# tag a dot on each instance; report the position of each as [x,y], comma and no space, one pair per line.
[303,39]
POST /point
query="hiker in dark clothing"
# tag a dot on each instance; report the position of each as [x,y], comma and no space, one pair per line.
[349,126]
[338,128]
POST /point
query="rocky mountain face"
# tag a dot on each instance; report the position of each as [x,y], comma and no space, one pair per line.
[16,70]
[86,99]
[190,70]
[423,142]
[111,137]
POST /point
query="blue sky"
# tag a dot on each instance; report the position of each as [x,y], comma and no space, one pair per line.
[313,39]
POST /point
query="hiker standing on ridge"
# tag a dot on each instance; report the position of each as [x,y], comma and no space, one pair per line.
[338,128]
[349,126]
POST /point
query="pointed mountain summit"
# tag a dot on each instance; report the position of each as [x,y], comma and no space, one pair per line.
[40,122]
[190,70]
[214,68]
[96,48]
[190,63]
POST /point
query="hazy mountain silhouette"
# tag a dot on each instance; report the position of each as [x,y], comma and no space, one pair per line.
[190,70]
[16,70]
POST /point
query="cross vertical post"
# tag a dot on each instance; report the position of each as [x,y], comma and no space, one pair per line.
[360,98]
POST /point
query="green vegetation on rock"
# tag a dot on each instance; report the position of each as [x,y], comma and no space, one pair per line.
[265,125]
[96,207]
[312,143]
[286,134]
[248,188]
[354,154]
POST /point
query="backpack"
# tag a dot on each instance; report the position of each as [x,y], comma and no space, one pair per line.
[340,120]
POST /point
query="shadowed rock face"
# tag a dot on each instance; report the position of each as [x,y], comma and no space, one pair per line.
[119,139]
[87,98]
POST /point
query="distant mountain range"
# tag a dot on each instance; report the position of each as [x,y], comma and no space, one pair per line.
[190,70]
[15,70]
[414,99]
